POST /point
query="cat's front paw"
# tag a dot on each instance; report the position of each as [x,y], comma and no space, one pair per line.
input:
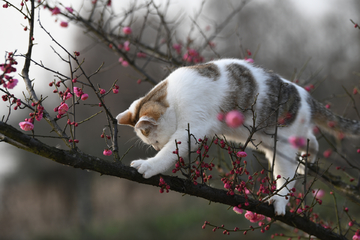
[279,204]
[145,167]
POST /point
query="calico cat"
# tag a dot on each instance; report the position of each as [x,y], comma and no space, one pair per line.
[195,95]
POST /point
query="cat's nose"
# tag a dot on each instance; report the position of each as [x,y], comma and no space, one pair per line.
[156,148]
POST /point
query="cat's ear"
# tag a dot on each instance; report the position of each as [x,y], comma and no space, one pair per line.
[146,124]
[124,118]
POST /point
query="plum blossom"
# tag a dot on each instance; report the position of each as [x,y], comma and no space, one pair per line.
[26,126]
[70,9]
[123,62]
[297,142]
[318,193]
[78,91]
[127,30]
[234,119]
[107,152]
[127,46]
[64,24]
[177,48]
[55,11]
[63,108]
[141,55]
[84,96]
[356,236]
[241,154]
[254,217]
[67,96]
[327,153]
[193,56]
[11,83]
[238,210]
[250,60]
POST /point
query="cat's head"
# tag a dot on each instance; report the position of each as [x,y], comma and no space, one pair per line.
[153,122]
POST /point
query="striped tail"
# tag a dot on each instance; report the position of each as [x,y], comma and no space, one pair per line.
[332,123]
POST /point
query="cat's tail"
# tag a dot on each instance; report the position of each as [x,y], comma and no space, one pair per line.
[332,123]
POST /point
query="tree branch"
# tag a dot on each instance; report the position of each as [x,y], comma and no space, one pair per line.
[81,160]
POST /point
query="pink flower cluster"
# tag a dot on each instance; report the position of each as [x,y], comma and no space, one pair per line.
[163,185]
[357,235]
[202,151]
[125,46]
[107,152]
[123,62]
[79,93]
[192,56]
[254,217]
[233,119]
[26,126]
[6,80]
[127,30]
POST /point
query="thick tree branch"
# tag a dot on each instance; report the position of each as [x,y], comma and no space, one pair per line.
[81,160]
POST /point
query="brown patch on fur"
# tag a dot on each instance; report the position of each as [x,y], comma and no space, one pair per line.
[154,103]
[242,90]
[208,70]
[127,120]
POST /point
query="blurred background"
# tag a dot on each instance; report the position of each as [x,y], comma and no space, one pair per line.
[40,199]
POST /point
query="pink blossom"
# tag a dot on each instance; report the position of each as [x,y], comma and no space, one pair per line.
[107,152]
[12,83]
[102,91]
[115,91]
[318,193]
[192,56]
[64,24]
[67,96]
[241,154]
[55,11]
[63,108]
[356,236]
[84,96]
[250,60]
[127,46]
[238,210]
[254,217]
[141,55]
[39,116]
[26,126]
[78,91]
[234,119]
[327,153]
[177,48]
[70,9]
[127,30]
[297,142]
[124,63]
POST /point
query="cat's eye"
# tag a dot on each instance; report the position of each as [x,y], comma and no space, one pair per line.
[157,142]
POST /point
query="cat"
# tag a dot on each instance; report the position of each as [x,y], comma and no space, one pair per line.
[195,95]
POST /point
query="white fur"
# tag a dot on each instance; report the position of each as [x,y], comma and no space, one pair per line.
[192,103]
